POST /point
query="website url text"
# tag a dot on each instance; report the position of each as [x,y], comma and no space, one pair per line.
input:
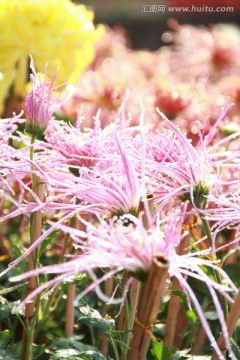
[204,8]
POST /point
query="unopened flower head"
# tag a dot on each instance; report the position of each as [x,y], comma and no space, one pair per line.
[39,103]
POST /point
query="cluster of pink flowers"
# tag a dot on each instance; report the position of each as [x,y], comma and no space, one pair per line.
[189,81]
[129,175]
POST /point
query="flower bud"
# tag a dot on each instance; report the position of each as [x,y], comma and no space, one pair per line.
[39,103]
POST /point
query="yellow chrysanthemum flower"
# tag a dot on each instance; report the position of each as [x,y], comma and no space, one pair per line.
[57,32]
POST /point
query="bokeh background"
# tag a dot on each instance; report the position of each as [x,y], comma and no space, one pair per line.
[144,29]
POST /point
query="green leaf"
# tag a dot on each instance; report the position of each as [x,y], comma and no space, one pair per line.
[59,116]
[159,351]
[6,310]
[235,348]
[92,355]
[233,272]
[13,352]
[198,357]
[179,355]
[4,291]
[72,342]
[211,315]
[179,293]
[191,314]
[5,337]
[71,354]
[92,317]
[46,241]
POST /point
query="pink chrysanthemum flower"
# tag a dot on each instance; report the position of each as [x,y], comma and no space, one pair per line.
[113,185]
[80,148]
[226,213]
[119,186]
[193,172]
[13,166]
[123,243]
[39,103]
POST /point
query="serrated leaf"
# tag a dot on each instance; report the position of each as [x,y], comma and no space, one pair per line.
[159,351]
[92,317]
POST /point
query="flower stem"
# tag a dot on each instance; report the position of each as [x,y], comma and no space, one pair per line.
[128,315]
[69,323]
[148,309]
[33,138]
[218,277]
[174,303]
[124,319]
[207,229]
[71,288]
[199,341]
[31,309]
[172,317]
[104,343]
[231,322]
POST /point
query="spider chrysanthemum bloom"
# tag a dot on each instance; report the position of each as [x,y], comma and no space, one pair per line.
[57,32]
[79,148]
[193,172]
[124,244]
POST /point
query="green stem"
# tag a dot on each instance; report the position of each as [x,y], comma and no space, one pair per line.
[29,343]
[32,308]
[71,288]
[207,229]
[33,138]
[55,297]
[217,275]
[51,305]
[124,321]
[114,347]
[231,322]
[127,317]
